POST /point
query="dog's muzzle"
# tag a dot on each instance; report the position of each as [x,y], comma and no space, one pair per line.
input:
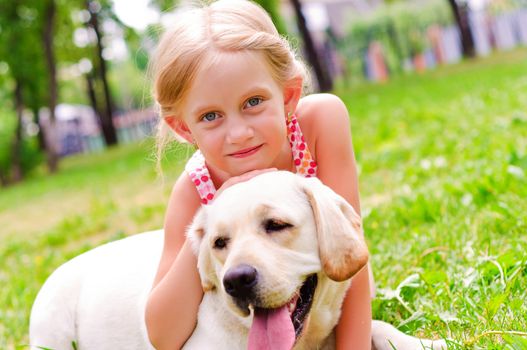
[240,282]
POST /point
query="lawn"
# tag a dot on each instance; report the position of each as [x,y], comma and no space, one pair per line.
[443,175]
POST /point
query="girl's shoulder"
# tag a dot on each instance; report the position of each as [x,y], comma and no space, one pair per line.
[313,102]
[184,192]
[320,115]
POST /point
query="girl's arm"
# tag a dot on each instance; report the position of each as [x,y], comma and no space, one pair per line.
[354,328]
[326,120]
[172,307]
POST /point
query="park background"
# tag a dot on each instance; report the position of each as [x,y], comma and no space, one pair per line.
[437,95]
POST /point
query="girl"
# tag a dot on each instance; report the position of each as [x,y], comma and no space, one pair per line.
[227,82]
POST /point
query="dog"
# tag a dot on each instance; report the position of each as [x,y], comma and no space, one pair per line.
[275,255]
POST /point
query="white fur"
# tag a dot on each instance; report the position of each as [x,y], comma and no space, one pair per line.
[97,299]
[387,337]
[282,259]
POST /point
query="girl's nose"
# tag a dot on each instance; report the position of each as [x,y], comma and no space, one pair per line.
[239,130]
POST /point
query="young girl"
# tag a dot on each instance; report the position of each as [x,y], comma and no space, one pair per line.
[227,82]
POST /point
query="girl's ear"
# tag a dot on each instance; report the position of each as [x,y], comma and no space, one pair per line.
[179,127]
[292,94]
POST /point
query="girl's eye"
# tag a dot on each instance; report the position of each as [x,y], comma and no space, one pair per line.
[209,117]
[253,101]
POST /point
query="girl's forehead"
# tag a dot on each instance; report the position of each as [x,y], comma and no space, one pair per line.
[230,74]
[219,59]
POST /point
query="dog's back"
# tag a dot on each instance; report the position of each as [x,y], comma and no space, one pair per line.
[85,300]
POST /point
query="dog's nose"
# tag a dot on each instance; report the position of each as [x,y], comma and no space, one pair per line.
[239,281]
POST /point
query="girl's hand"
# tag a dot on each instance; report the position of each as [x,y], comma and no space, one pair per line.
[242,178]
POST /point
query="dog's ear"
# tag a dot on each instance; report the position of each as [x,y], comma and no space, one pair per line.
[196,230]
[196,233]
[342,249]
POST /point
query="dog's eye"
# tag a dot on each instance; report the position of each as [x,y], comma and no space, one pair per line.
[275,225]
[220,242]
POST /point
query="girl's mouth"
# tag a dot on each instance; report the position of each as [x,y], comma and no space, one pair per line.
[246,152]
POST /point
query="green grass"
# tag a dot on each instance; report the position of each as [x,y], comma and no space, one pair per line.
[443,177]
[443,171]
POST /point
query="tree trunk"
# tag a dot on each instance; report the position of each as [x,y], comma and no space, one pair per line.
[92,96]
[460,13]
[16,150]
[4,182]
[40,136]
[324,80]
[108,129]
[50,141]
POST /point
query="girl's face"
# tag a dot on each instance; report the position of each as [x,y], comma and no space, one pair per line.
[235,113]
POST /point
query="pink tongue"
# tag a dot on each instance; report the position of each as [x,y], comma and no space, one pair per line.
[272,329]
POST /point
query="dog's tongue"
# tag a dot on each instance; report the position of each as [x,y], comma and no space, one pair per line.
[272,329]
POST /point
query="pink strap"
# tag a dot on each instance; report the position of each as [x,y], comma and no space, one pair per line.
[304,162]
[200,176]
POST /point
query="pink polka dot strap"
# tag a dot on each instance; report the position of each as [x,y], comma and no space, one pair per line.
[304,162]
[199,174]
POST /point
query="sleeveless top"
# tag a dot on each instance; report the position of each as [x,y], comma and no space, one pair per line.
[304,162]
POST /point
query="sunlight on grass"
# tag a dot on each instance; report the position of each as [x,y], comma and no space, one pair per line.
[443,161]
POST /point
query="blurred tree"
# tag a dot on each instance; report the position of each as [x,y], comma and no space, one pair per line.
[460,13]
[36,37]
[49,15]
[95,10]
[84,22]
[21,50]
[325,82]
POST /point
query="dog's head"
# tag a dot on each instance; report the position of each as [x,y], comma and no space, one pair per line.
[264,243]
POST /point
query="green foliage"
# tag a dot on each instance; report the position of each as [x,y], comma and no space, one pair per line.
[21,44]
[399,27]
[30,155]
[7,129]
[130,88]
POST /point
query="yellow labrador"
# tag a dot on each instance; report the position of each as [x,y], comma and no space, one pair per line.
[279,248]
[275,255]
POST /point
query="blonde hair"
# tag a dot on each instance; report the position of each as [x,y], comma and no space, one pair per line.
[198,34]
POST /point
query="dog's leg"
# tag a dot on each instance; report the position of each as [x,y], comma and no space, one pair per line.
[386,337]
[52,322]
